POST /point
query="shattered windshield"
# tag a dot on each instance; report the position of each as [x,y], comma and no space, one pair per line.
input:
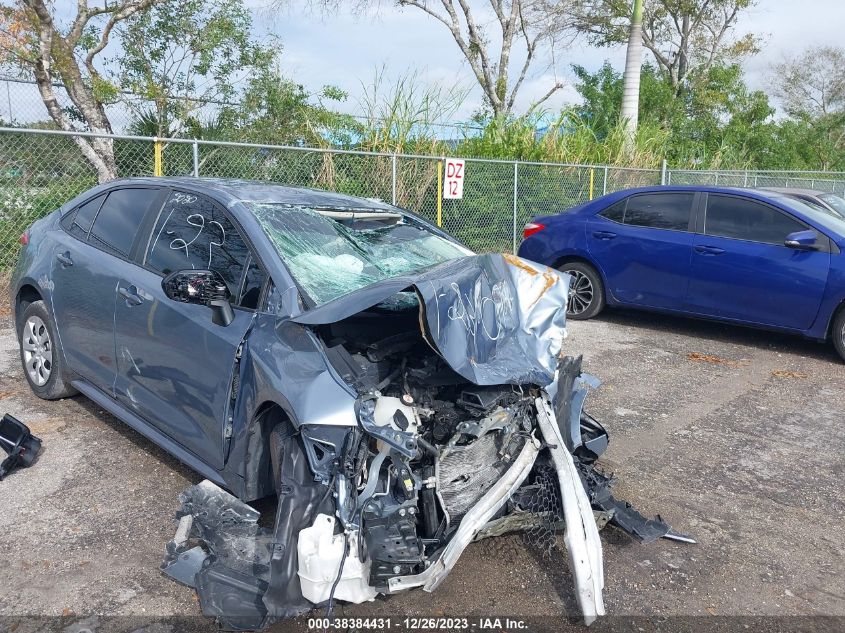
[332,252]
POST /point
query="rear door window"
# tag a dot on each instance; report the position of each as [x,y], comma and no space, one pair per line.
[78,222]
[193,233]
[616,211]
[117,223]
[660,210]
[744,219]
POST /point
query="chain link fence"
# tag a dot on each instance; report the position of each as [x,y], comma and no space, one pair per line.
[42,169]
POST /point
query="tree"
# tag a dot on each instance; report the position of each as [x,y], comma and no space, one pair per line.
[182,55]
[33,40]
[686,37]
[812,84]
[633,65]
[274,109]
[720,123]
[490,40]
[811,88]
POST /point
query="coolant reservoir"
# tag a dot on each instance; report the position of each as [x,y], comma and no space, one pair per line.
[320,551]
[385,413]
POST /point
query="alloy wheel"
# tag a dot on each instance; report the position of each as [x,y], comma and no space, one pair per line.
[37,350]
[580,292]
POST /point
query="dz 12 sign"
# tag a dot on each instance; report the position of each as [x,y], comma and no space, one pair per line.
[453,188]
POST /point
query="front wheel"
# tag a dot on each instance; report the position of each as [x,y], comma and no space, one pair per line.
[838,333]
[586,291]
[41,358]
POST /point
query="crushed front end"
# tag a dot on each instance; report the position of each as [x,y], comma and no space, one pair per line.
[469,423]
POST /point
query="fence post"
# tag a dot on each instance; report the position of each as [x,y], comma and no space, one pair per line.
[393,181]
[515,194]
[196,152]
[663,172]
[592,181]
[745,182]
[604,185]
[440,193]
[157,169]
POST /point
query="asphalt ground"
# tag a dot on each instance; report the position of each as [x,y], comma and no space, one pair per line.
[734,436]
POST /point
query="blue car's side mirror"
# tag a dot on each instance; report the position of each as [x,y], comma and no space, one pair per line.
[801,240]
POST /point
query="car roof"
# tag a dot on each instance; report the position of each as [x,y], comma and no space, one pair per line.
[759,194]
[235,189]
[795,191]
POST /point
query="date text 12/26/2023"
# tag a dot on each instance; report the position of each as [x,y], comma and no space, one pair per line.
[407,623]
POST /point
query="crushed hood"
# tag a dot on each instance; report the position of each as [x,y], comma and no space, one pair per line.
[494,318]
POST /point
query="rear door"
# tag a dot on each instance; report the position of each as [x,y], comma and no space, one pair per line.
[174,366]
[643,244]
[92,252]
[742,270]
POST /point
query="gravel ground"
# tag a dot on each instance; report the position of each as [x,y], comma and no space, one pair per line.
[733,436]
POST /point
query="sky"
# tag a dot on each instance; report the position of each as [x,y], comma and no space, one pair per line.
[344,49]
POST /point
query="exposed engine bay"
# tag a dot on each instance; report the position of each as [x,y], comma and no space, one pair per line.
[433,462]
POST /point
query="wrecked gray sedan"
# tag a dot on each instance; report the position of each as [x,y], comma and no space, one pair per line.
[399,395]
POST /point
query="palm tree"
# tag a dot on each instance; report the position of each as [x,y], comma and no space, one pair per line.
[631,81]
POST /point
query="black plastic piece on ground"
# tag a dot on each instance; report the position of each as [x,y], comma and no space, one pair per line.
[623,514]
[21,445]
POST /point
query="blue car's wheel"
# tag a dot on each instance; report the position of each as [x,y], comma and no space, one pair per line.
[586,291]
[838,332]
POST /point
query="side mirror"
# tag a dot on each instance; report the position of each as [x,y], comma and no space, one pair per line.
[203,287]
[801,240]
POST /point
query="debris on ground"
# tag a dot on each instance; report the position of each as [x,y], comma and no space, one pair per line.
[21,445]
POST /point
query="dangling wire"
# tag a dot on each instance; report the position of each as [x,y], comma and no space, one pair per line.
[330,605]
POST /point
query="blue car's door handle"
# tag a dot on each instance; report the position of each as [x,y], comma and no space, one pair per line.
[604,235]
[131,295]
[64,259]
[709,250]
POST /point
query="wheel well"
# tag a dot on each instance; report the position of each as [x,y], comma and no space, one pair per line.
[574,258]
[258,467]
[26,295]
[834,315]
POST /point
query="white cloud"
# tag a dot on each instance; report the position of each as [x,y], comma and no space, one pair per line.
[344,49]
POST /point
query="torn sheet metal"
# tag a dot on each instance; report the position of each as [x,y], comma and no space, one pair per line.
[496,319]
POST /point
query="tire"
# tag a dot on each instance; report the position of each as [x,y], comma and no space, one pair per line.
[838,332]
[586,291]
[41,358]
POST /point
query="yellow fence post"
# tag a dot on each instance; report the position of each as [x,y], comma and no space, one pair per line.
[157,147]
[592,181]
[440,193]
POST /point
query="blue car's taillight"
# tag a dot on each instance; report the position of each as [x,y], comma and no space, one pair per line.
[531,228]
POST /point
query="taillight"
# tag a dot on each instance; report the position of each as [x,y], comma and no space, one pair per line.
[531,228]
[24,238]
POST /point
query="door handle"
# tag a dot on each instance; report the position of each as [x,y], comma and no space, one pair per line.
[709,250]
[64,259]
[131,295]
[604,235]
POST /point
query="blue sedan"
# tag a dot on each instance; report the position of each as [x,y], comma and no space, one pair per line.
[754,258]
